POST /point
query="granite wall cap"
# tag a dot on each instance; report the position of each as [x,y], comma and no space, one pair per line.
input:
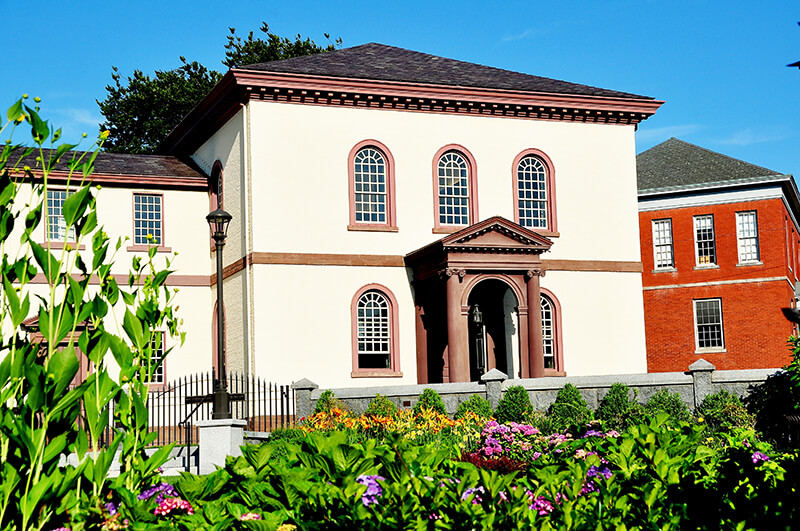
[495,375]
[304,384]
[702,365]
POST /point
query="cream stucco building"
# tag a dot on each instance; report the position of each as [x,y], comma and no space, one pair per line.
[404,217]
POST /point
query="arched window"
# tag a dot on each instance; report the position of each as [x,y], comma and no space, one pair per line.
[455,189]
[375,342]
[371,170]
[551,333]
[534,191]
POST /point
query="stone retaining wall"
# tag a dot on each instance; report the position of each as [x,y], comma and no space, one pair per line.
[692,386]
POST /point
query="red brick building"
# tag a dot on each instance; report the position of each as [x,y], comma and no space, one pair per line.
[720,251]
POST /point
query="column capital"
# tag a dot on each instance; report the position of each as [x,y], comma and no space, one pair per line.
[535,272]
[448,272]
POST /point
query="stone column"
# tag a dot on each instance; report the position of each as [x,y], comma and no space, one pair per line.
[535,349]
[494,386]
[302,390]
[701,380]
[457,342]
[217,439]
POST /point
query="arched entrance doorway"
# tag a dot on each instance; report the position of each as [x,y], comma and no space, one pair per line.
[493,328]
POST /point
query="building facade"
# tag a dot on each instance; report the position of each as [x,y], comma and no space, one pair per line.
[400,217]
[720,252]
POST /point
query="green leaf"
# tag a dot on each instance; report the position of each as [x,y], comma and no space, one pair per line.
[133,328]
[51,267]
[55,447]
[39,128]
[15,111]
[75,205]
[61,369]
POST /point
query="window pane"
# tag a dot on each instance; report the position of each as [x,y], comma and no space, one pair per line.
[548,341]
[747,236]
[56,229]
[708,323]
[662,243]
[532,192]
[370,175]
[704,240]
[453,189]
[374,331]
[147,227]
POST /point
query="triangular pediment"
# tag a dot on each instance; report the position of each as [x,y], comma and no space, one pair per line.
[496,234]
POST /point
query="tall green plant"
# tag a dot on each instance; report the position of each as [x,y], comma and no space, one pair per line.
[42,419]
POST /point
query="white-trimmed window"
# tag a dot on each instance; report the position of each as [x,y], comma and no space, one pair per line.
[532,193]
[56,227]
[156,355]
[747,236]
[370,187]
[708,324]
[148,226]
[374,326]
[662,244]
[548,333]
[454,193]
[704,243]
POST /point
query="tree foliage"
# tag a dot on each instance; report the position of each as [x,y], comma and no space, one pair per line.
[140,110]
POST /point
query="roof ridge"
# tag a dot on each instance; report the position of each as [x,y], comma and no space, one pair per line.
[716,154]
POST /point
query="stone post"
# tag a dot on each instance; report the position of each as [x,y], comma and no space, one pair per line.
[701,380]
[302,390]
[494,386]
[217,439]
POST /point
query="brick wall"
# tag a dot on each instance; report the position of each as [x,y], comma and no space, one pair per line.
[755,332]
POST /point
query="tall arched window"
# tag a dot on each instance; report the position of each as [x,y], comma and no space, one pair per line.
[371,170]
[551,333]
[375,342]
[534,191]
[454,183]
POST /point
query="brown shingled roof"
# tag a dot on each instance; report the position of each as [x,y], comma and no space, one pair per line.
[389,63]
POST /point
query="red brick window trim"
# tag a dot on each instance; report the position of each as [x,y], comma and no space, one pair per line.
[370,168]
[374,318]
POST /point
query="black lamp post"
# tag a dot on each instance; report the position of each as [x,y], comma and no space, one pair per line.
[219,221]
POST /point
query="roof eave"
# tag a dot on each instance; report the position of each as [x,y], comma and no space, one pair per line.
[648,193]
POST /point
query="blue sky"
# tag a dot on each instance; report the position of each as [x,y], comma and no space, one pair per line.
[720,66]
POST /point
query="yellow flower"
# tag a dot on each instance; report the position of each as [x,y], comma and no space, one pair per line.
[104,134]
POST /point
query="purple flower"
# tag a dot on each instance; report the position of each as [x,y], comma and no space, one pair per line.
[374,489]
[595,471]
[163,490]
[111,509]
[592,433]
[541,505]
[477,491]
[758,457]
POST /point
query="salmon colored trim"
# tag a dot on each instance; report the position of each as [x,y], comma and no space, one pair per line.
[391,215]
[57,246]
[216,185]
[558,342]
[199,184]
[606,266]
[172,280]
[146,248]
[552,223]
[394,345]
[472,180]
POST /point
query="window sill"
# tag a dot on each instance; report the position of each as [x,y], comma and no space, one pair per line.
[714,350]
[146,248]
[372,228]
[665,270]
[376,374]
[61,245]
[709,266]
[553,372]
[746,264]
[448,230]
[546,233]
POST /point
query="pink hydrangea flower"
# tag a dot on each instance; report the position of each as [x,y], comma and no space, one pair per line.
[171,504]
[250,516]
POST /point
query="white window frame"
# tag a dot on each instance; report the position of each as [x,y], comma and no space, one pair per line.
[747,237]
[55,225]
[156,356]
[370,187]
[707,243]
[532,192]
[663,244]
[548,331]
[148,221]
[453,190]
[374,332]
[697,325]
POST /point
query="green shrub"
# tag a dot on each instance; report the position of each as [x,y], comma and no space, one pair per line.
[723,411]
[475,404]
[618,411]
[670,403]
[380,406]
[430,399]
[326,402]
[515,406]
[569,409]
[776,398]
